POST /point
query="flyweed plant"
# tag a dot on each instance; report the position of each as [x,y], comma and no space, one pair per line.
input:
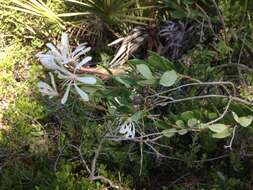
[64,63]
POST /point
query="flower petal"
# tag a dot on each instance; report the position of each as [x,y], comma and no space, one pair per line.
[46,89]
[65,45]
[87,80]
[132,135]
[53,81]
[116,41]
[127,129]
[82,94]
[78,49]
[83,62]
[47,61]
[53,49]
[66,95]
[82,52]
[124,128]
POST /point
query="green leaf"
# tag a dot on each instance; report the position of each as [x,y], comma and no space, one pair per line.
[159,62]
[169,132]
[217,128]
[192,122]
[243,121]
[89,89]
[161,124]
[145,71]
[137,116]
[168,78]
[120,80]
[147,82]
[187,115]
[182,131]
[236,118]
[180,123]
[225,133]
[136,62]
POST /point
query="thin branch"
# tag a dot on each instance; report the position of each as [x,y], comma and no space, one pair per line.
[58,157]
[221,19]
[242,66]
[206,96]
[180,178]
[141,159]
[232,139]
[194,84]
[94,161]
[212,159]
[82,158]
[221,116]
[106,180]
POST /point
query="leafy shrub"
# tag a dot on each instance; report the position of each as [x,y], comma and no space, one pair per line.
[159,124]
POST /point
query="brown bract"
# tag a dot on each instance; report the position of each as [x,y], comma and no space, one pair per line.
[104,74]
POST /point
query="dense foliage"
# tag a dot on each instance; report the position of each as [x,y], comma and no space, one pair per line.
[171,108]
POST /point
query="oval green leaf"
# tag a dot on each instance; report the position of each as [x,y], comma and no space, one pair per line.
[236,118]
[147,82]
[168,78]
[217,128]
[120,80]
[180,123]
[243,121]
[182,131]
[192,122]
[223,134]
[145,71]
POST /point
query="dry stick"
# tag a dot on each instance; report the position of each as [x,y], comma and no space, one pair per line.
[245,67]
[93,165]
[119,138]
[194,84]
[177,180]
[106,180]
[93,168]
[135,139]
[221,18]
[161,145]
[164,156]
[239,59]
[158,154]
[208,18]
[141,159]
[222,115]
[212,159]
[206,96]
[232,139]
[82,158]
[58,157]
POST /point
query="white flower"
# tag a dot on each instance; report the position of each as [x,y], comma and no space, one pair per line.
[127,128]
[56,59]
[62,55]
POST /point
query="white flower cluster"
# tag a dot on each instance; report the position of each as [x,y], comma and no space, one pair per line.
[127,128]
[58,59]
